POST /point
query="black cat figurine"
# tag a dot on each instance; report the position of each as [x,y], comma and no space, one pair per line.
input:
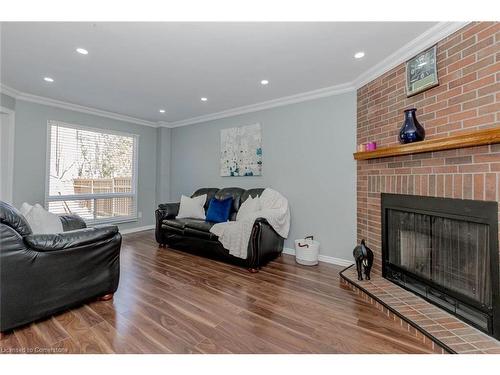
[364,258]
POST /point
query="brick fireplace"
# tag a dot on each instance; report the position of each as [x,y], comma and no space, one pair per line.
[467,98]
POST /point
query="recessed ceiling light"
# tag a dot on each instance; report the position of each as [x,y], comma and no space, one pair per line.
[82,51]
[204,99]
[48,79]
[359,55]
[161,111]
[264,82]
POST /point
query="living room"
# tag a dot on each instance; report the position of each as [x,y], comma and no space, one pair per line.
[250,187]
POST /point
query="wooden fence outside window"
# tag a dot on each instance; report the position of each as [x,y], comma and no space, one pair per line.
[108,207]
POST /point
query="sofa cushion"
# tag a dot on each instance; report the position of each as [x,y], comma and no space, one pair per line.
[251,193]
[210,192]
[191,223]
[248,207]
[172,230]
[200,234]
[232,192]
[72,222]
[42,221]
[192,207]
[190,227]
[200,225]
[219,210]
[175,223]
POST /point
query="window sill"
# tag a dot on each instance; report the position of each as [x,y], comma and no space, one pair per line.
[118,220]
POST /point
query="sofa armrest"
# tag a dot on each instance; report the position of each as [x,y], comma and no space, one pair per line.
[164,211]
[72,222]
[167,210]
[260,221]
[70,239]
[264,243]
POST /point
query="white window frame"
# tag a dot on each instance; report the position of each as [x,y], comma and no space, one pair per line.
[133,193]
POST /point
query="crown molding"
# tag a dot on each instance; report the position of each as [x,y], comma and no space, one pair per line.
[164,124]
[9,91]
[19,95]
[286,100]
[420,43]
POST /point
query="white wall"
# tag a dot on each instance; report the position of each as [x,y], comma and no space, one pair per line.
[7,102]
[163,165]
[307,156]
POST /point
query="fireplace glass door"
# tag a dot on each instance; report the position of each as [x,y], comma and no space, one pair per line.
[453,254]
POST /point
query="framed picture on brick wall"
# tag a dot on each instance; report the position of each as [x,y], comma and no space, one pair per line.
[421,72]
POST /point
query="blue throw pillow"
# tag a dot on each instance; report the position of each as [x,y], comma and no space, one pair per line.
[219,210]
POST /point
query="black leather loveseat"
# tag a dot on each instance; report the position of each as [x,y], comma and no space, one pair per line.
[194,235]
[42,274]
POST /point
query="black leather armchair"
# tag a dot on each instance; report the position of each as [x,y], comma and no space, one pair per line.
[42,274]
[193,235]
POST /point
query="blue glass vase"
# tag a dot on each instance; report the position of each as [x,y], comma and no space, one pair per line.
[411,131]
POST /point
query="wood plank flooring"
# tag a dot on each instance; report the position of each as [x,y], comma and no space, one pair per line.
[173,302]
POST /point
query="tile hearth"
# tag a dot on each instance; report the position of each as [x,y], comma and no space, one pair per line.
[442,331]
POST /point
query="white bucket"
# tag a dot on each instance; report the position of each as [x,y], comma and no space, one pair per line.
[306,251]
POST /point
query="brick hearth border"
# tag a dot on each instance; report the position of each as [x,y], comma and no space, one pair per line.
[437,329]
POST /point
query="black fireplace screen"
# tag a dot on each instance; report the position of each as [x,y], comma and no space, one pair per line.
[445,250]
[452,253]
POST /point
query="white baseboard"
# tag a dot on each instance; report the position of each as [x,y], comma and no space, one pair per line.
[286,250]
[324,258]
[138,229]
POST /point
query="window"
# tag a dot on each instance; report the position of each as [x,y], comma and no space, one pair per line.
[91,173]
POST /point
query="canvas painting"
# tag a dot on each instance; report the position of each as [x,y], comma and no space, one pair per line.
[241,151]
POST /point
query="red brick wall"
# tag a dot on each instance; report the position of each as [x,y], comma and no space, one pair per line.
[467,98]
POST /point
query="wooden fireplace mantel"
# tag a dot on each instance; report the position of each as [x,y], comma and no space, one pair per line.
[469,139]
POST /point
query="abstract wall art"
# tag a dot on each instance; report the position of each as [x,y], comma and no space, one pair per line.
[241,151]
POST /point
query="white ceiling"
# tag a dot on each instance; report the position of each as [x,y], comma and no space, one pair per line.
[135,69]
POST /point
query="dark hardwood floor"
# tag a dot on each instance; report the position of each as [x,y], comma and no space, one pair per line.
[172,302]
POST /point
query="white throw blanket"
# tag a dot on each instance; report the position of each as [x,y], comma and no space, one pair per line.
[234,235]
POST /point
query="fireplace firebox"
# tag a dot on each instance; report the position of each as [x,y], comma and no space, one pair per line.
[446,251]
